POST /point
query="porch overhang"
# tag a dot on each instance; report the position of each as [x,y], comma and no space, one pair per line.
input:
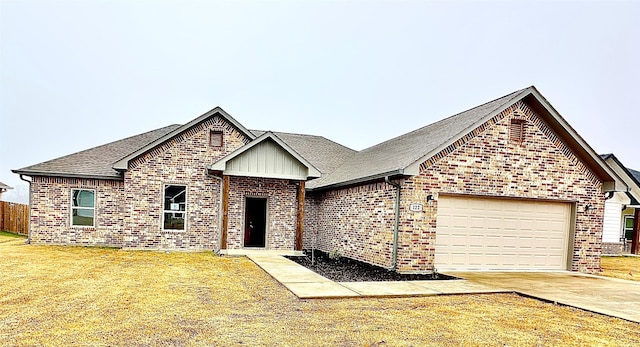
[268,157]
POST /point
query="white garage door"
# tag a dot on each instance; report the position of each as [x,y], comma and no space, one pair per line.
[501,234]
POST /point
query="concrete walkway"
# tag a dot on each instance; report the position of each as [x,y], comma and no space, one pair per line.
[306,284]
[609,296]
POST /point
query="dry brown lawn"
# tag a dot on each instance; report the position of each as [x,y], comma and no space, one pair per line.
[63,296]
[627,268]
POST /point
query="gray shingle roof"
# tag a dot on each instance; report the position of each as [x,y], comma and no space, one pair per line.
[324,154]
[635,174]
[394,155]
[338,164]
[96,162]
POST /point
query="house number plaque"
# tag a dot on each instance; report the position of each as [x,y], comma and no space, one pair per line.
[415,207]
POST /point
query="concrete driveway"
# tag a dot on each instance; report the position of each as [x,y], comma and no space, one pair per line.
[609,296]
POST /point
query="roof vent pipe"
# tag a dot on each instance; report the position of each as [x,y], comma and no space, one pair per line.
[394,263]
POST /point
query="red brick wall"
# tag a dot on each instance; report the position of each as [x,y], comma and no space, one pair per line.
[281,210]
[183,161]
[357,222]
[50,214]
[129,212]
[485,162]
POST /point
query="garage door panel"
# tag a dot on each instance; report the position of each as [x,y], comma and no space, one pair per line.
[501,234]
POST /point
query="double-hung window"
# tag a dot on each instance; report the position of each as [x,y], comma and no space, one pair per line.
[83,207]
[175,207]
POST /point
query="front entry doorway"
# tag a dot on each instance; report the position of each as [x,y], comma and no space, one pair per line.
[255,222]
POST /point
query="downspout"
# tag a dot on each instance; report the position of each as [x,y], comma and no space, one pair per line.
[394,263]
[29,225]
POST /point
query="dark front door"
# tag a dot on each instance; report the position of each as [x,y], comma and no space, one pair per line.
[255,222]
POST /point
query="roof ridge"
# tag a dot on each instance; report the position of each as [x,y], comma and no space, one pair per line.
[299,134]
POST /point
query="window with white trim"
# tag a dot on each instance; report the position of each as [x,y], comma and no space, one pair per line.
[83,207]
[175,207]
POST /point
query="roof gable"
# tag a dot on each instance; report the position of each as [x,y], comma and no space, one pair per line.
[399,155]
[123,163]
[322,153]
[404,154]
[266,156]
[627,175]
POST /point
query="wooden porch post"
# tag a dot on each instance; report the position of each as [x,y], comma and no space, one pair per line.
[300,216]
[225,211]
[636,232]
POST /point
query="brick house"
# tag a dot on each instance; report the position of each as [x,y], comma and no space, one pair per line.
[507,185]
[4,188]
[621,226]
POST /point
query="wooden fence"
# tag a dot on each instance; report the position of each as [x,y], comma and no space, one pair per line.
[14,217]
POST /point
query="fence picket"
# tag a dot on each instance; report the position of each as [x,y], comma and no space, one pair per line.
[14,217]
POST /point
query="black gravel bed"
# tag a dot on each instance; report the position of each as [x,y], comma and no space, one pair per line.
[341,269]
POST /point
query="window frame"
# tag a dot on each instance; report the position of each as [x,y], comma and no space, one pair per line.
[73,208]
[182,212]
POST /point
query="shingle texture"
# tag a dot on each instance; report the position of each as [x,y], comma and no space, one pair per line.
[402,151]
[337,163]
[98,161]
[322,153]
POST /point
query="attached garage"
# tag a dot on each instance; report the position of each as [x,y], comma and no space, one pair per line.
[501,234]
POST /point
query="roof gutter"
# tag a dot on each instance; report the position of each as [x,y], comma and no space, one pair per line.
[29,224]
[394,264]
[68,175]
[399,172]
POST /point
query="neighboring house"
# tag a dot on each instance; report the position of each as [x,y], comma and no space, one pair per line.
[3,188]
[622,212]
[507,185]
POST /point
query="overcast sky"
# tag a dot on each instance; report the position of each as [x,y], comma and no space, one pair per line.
[77,74]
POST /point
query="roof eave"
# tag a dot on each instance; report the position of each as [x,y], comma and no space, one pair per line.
[633,187]
[66,175]
[123,164]
[610,180]
[219,165]
[393,173]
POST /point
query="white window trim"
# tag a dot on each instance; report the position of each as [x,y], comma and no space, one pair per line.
[94,208]
[186,205]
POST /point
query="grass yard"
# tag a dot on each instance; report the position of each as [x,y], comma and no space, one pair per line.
[62,296]
[7,236]
[627,268]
